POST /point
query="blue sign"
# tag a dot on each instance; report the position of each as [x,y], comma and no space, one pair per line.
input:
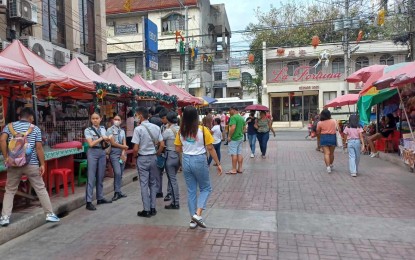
[151,36]
[152,61]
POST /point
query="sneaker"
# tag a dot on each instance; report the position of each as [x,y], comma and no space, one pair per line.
[331,166]
[263,157]
[373,155]
[328,169]
[252,155]
[192,225]
[354,174]
[199,220]
[4,221]
[50,217]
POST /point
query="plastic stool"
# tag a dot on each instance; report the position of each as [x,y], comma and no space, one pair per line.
[64,172]
[82,166]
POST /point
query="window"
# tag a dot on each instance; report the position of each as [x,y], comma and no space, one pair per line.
[327,96]
[317,69]
[165,62]
[53,22]
[218,76]
[386,59]
[337,66]
[361,62]
[87,26]
[292,66]
[172,23]
[246,79]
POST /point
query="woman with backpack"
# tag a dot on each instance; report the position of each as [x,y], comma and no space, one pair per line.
[97,161]
[172,158]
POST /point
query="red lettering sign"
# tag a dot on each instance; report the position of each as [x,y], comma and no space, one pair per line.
[302,73]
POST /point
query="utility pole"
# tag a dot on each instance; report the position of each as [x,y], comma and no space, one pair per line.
[347,24]
[143,20]
[411,10]
[186,49]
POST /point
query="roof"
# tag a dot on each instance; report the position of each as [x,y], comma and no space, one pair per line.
[117,6]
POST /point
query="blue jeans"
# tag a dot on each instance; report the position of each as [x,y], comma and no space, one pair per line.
[252,141]
[353,146]
[196,173]
[217,149]
[263,141]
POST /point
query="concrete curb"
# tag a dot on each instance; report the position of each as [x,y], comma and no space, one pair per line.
[34,217]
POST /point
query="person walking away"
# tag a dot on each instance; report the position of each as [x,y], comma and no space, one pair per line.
[130,123]
[355,143]
[223,120]
[235,140]
[245,116]
[263,127]
[251,121]
[314,129]
[217,139]
[326,128]
[172,160]
[97,161]
[146,138]
[117,155]
[309,128]
[390,126]
[31,163]
[193,141]
[156,119]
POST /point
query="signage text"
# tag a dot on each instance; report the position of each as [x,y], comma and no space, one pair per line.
[302,73]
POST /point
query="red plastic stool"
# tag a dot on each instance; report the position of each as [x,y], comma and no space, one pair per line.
[63,172]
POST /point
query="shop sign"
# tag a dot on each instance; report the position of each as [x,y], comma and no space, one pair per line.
[126,29]
[234,74]
[309,88]
[302,73]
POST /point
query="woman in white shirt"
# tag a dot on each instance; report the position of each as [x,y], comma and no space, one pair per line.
[217,138]
[193,141]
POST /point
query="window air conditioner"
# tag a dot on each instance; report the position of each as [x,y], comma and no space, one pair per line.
[29,11]
[42,48]
[61,56]
[166,75]
[3,45]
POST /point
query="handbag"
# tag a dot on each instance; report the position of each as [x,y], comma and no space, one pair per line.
[161,159]
[339,139]
[204,143]
[104,145]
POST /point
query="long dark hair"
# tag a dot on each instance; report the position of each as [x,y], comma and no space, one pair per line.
[354,121]
[189,124]
[325,115]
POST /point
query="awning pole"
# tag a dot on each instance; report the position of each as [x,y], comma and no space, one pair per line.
[406,115]
[34,100]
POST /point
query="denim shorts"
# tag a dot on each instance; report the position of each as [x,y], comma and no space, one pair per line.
[235,147]
[328,140]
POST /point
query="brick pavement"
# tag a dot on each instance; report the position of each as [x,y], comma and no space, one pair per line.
[368,217]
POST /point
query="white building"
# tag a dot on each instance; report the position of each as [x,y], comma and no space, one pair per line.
[208,32]
[295,88]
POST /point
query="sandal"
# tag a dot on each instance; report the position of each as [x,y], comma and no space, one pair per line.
[229,172]
[239,171]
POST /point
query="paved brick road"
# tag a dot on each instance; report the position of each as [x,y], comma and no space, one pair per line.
[283,207]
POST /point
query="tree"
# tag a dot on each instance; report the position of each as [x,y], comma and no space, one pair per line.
[294,24]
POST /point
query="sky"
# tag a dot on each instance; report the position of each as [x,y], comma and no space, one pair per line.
[240,14]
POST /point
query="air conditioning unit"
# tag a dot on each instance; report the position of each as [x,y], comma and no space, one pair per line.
[96,67]
[40,47]
[24,9]
[61,56]
[166,75]
[3,45]
[83,58]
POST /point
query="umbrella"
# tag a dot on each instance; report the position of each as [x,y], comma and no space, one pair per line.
[404,79]
[209,100]
[391,76]
[257,108]
[376,76]
[364,74]
[348,99]
[365,103]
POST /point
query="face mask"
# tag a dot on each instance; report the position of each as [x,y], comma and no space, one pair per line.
[117,123]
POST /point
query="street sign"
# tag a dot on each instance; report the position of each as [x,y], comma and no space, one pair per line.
[151,37]
[152,61]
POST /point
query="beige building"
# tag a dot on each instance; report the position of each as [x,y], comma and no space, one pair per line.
[297,86]
[208,32]
[57,30]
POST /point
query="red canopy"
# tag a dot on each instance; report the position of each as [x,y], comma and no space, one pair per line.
[364,74]
[10,69]
[137,78]
[116,76]
[43,71]
[182,95]
[77,69]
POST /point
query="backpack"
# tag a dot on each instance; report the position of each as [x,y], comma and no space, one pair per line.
[18,148]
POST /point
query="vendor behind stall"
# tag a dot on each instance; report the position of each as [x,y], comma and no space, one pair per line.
[390,126]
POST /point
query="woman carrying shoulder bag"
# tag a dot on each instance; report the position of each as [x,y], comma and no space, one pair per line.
[194,141]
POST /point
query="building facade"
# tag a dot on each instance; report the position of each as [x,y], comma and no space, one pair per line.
[298,82]
[208,38]
[57,30]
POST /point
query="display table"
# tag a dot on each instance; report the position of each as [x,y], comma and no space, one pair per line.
[54,158]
